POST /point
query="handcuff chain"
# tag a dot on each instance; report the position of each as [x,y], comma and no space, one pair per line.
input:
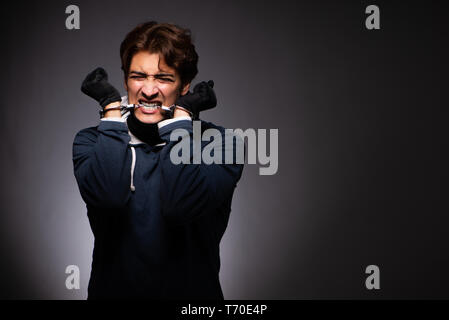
[170,110]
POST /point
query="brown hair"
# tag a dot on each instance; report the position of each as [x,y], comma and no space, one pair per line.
[172,42]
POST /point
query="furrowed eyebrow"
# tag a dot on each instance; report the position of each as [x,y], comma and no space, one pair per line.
[164,75]
[138,73]
[156,75]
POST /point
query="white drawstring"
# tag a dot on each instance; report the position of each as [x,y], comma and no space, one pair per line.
[133,164]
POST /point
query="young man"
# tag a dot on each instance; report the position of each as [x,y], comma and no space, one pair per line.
[157,225]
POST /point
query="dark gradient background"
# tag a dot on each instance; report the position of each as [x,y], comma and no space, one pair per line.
[363,141]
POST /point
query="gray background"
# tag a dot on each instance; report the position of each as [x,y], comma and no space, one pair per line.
[363,151]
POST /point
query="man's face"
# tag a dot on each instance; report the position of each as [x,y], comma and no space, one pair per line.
[151,80]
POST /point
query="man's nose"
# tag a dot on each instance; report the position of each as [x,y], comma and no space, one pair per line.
[150,88]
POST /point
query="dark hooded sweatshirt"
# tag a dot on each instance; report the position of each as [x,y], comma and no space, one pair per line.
[157,225]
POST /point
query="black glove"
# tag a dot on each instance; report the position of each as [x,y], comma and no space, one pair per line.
[96,86]
[202,98]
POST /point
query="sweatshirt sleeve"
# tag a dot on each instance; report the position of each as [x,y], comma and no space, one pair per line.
[102,162]
[189,190]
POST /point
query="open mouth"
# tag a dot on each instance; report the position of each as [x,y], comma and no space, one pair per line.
[149,106]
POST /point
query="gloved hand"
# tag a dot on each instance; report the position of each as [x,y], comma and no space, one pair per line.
[202,98]
[96,86]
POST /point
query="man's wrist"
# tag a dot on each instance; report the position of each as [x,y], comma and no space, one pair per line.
[181,112]
[112,104]
[114,113]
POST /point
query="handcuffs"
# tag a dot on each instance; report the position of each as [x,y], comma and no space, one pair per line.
[169,111]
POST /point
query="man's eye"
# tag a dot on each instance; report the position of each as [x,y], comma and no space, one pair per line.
[165,79]
[137,77]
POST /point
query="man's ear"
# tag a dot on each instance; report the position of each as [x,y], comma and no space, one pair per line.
[185,89]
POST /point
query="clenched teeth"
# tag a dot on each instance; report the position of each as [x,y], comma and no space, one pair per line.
[152,105]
